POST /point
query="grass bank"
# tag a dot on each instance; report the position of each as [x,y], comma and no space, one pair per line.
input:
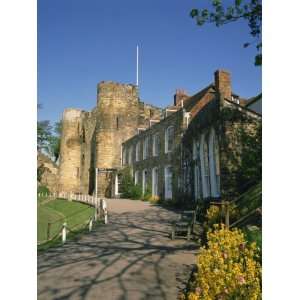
[58,211]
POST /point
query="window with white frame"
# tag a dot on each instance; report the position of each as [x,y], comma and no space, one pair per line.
[137,151]
[146,147]
[124,154]
[217,165]
[169,139]
[130,155]
[194,149]
[197,183]
[214,165]
[168,182]
[136,177]
[155,145]
[155,181]
[187,116]
[206,167]
[144,182]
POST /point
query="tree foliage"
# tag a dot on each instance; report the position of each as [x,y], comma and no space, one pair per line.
[247,10]
[48,138]
[44,133]
[251,158]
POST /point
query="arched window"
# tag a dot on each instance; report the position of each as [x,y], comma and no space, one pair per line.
[155,145]
[137,151]
[124,154]
[214,164]
[197,182]
[197,170]
[130,155]
[169,139]
[168,182]
[204,167]
[145,180]
[155,181]
[146,148]
[136,177]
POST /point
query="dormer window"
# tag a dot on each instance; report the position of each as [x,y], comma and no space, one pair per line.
[140,130]
[235,99]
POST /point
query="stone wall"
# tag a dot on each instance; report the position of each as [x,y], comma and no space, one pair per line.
[70,151]
[163,159]
[48,172]
[117,121]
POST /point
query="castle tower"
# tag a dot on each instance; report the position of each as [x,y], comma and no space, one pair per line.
[70,152]
[117,121]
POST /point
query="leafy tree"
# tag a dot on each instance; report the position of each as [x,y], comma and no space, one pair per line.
[54,141]
[44,133]
[247,10]
[48,137]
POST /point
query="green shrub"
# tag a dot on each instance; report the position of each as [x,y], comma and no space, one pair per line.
[128,189]
[43,189]
[253,234]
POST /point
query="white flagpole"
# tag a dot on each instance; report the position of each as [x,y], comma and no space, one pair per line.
[137,65]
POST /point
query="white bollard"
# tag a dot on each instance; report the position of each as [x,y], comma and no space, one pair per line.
[64,233]
[104,208]
[96,214]
[90,224]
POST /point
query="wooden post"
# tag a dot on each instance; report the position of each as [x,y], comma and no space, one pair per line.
[64,233]
[227,214]
[48,231]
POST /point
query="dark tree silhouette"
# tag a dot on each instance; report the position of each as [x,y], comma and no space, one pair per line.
[247,10]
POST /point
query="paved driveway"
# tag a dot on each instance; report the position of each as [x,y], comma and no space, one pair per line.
[132,257]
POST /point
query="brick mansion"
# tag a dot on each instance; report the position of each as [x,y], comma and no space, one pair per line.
[189,149]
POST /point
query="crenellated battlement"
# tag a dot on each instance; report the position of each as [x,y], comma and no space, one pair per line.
[113,91]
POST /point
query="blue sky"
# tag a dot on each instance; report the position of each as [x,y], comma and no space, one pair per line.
[81,43]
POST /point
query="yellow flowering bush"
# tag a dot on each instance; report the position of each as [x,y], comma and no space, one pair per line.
[214,214]
[227,268]
[154,199]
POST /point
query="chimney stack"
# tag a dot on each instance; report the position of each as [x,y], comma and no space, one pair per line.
[179,97]
[223,83]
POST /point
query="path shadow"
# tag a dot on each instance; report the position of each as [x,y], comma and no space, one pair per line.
[130,258]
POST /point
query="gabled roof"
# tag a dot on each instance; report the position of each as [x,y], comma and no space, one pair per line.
[254,99]
[191,101]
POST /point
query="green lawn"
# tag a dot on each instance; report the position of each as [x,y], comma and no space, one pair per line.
[57,212]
